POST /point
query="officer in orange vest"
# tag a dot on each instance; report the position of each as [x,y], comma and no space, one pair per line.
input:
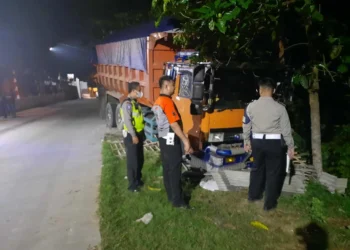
[170,136]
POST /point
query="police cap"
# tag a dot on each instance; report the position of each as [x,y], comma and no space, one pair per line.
[267,83]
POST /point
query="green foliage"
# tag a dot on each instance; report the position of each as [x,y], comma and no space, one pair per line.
[300,79]
[229,28]
[299,142]
[229,25]
[320,204]
[336,154]
[317,210]
[105,25]
[218,216]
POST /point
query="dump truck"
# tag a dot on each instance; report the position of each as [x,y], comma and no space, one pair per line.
[210,101]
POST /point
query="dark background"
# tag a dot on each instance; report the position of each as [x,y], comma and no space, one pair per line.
[29,28]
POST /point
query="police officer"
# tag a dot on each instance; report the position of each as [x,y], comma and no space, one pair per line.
[133,133]
[170,136]
[267,130]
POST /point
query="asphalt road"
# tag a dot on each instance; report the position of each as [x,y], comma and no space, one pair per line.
[50,165]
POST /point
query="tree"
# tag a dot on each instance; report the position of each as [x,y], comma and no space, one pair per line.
[260,31]
[104,26]
[324,56]
[224,28]
[106,16]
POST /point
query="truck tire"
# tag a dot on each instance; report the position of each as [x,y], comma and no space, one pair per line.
[102,103]
[118,120]
[110,115]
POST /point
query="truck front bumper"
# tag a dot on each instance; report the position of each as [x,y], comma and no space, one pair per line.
[211,161]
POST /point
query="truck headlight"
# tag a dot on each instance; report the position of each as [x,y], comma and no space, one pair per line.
[216,137]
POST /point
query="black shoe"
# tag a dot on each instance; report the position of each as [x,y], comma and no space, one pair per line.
[254,200]
[141,184]
[268,209]
[184,207]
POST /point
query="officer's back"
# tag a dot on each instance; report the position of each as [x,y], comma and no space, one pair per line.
[266,115]
[266,128]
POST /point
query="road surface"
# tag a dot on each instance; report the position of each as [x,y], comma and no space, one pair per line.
[50,165]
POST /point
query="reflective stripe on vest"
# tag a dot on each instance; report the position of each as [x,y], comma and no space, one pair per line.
[137,117]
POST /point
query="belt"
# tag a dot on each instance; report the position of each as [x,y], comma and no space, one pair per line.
[267,136]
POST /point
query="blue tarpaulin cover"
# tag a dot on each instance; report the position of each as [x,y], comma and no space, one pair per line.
[129,47]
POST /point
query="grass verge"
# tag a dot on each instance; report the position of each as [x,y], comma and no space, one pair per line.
[221,220]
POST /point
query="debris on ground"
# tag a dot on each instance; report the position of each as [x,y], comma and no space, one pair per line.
[146,218]
[258,224]
[209,184]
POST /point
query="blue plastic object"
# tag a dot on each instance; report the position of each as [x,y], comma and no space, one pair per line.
[151,128]
[184,55]
[224,154]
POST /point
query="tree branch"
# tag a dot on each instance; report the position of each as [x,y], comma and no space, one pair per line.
[326,70]
[255,12]
[189,17]
[295,45]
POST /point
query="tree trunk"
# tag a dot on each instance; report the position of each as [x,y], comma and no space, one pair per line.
[315,123]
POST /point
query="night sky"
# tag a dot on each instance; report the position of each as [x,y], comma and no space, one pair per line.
[28,28]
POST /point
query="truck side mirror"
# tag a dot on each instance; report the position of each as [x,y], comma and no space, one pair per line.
[197,90]
[197,98]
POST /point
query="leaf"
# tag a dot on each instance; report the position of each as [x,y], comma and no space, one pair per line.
[217,3]
[157,22]
[317,16]
[332,39]
[221,24]
[225,5]
[165,5]
[245,3]
[342,68]
[212,25]
[304,82]
[233,1]
[312,8]
[273,35]
[154,3]
[231,14]
[344,40]
[273,18]
[346,59]
[204,9]
[208,15]
[335,52]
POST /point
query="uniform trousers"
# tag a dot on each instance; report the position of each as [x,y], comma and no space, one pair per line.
[135,160]
[269,171]
[171,156]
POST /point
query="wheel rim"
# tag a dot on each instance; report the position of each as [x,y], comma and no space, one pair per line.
[109,115]
[119,119]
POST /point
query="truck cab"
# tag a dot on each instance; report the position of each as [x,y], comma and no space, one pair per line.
[211,104]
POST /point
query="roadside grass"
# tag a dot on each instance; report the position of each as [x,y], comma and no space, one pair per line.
[221,220]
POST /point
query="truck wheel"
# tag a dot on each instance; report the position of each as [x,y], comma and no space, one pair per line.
[118,119]
[110,115]
[102,103]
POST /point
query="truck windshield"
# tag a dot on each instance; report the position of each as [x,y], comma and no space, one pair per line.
[234,90]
